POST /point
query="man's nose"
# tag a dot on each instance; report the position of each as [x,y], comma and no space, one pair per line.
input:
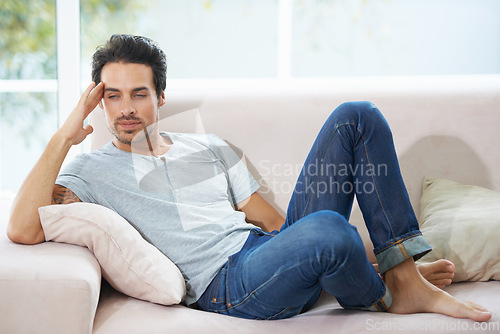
[127,107]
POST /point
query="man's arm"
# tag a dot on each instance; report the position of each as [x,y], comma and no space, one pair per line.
[62,195]
[261,213]
[39,187]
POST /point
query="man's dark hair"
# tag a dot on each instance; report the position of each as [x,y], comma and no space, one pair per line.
[134,50]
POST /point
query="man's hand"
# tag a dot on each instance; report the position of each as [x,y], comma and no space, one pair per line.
[72,130]
[260,213]
[38,187]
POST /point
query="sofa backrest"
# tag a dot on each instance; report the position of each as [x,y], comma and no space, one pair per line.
[443,127]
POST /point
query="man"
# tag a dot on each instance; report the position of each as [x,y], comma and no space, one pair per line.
[180,191]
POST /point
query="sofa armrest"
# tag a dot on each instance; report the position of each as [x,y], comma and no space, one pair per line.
[47,288]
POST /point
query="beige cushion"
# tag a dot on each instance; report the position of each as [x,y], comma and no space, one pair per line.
[462,224]
[128,262]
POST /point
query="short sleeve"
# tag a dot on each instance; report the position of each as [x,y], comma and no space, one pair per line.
[74,176]
[241,182]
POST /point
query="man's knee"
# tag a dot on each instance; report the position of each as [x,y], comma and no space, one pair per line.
[331,231]
[363,114]
[328,220]
[356,111]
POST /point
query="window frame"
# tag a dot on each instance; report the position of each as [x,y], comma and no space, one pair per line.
[69,82]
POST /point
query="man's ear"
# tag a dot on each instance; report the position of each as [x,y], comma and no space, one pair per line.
[161,101]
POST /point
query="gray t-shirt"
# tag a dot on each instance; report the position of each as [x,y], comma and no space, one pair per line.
[181,202]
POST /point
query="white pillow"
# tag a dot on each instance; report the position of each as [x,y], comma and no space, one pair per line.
[462,224]
[128,262]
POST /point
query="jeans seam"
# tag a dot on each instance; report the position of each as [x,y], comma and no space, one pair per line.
[399,242]
[228,297]
[322,158]
[375,184]
[214,295]
[381,301]
[280,313]
[254,291]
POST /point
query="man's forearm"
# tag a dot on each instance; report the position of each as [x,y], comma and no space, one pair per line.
[36,191]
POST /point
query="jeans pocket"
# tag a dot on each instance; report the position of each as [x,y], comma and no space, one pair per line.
[214,297]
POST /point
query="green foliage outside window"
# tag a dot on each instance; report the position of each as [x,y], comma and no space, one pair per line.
[28,39]
[28,51]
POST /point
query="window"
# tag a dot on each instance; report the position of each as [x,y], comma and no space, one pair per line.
[395,37]
[43,69]
[227,39]
[201,38]
[28,88]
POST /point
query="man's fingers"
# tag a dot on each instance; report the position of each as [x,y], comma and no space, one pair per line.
[96,94]
[86,93]
[94,98]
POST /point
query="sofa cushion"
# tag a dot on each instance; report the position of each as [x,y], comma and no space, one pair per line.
[128,262]
[462,224]
[47,288]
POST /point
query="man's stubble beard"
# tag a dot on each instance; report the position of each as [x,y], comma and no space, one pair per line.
[139,136]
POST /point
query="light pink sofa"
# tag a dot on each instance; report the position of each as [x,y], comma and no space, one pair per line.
[444,127]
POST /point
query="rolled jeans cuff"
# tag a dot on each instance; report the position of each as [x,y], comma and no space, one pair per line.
[383,304]
[412,244]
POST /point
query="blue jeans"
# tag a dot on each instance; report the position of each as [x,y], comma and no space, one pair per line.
[277,275]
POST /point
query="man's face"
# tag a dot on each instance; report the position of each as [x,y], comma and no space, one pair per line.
[130,102]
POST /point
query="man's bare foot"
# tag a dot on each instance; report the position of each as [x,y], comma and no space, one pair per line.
[440,272]
[412,293]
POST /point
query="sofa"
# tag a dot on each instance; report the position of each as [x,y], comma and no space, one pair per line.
[443,128]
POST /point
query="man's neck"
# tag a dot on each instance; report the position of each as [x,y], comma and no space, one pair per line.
[154,144]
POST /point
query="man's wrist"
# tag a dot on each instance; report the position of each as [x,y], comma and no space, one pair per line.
[61,142]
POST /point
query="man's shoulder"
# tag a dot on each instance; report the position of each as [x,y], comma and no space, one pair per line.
[205,139]
[98,156]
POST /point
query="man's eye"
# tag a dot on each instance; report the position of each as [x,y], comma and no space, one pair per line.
[112,96]
[140,95]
